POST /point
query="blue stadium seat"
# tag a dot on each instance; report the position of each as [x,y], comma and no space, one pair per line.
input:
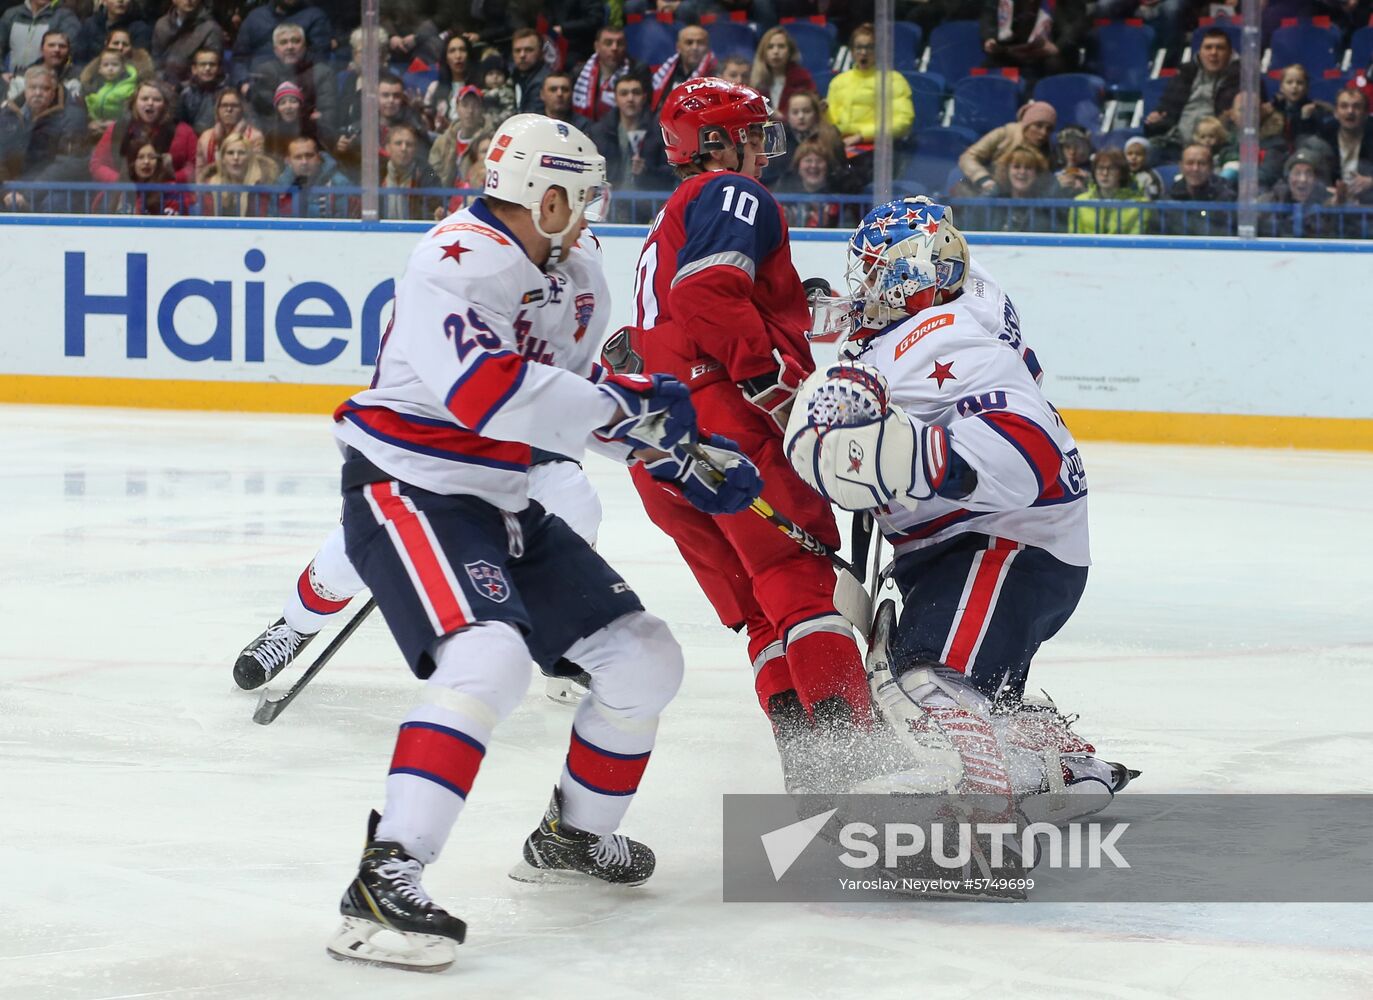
[907,42]
[1314,46]
[1361,48]
[822,81]
[1115,139]
[1167,173]
[732,38]
[1152,91]
[650,41]
[982,103]
[1077,97]
[936,154]
[1121,53]
[955,49]
[1326,87]
[419,80]
[816,43]
[927,94]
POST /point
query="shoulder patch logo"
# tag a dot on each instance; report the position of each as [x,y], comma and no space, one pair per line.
[585,305]
[922,331]
[489,580]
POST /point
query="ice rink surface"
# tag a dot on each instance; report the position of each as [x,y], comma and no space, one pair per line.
[157,843]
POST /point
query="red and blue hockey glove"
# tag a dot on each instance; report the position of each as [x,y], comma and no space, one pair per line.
[726,484]
[657,408]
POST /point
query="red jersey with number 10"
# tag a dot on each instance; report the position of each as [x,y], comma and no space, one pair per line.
[715,291]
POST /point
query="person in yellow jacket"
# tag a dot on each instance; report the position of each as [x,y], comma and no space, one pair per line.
[852,96]
[1111,181]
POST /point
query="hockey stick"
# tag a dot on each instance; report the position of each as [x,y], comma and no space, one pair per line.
[268,709]
[850,599]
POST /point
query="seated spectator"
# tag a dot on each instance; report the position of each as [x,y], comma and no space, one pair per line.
[498,93]
[440,103]
[121,41]
[526,52]
[411,33]
[1033,125]
[852,98]
[290,62]
[1110,182]
[1036,38]
[196,99]
[151,116]
[393,108]
[114,88]
[186,27]
[575,22]
[1351,140]
[692,60]
[814,171]
[1210,131]
[1274,147]
[1204,86]
[805,121]
[238,163]
[147,168]
[350,80]
[632,144]
[557,100]
[471,174]
[403,168]
[1302,116]
[56,55]
[593,95]
[468,125]
[22,28]
[735,69]
[1197,181]
[230,120]
[1306,186]
[1075,150]
[35,130]
[777,71]
[287,122]
[309,180]
[126,15]
[1023,173]
[257,35]
[1150,184]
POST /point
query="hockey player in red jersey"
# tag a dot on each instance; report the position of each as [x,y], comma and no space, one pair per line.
[719,305]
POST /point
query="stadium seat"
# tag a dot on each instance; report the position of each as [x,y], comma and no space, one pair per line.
[1313,45]
[955,48]
[731,38]
[650,40]
[907,42]
[1325,87]
[1152,91]
[1167,173]
[1077,97]
[927,94]
[815,42]
[1115,139]
[982,103]
[1360,48]
[822,81]
[936,154]
[1121,52]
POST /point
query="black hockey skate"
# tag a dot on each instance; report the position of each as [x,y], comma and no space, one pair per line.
[268,654]
[559,854]
[386,895]
[793,731]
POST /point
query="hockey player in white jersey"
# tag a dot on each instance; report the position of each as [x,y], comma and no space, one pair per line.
[472,578]
[936,423]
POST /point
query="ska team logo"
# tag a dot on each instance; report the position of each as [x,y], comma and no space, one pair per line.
[585,304]
[489,580]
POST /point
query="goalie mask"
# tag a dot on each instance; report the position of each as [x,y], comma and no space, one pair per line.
[904,257]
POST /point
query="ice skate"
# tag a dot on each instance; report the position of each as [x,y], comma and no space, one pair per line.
[559,854]
[388,918]
[565,690]
[268,654]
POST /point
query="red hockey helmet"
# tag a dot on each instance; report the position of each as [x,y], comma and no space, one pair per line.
[697,108]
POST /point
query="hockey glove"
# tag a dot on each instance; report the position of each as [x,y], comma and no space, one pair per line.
[726,485]
[657,411]
[773,393]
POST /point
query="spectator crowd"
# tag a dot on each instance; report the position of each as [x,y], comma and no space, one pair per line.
[259,105]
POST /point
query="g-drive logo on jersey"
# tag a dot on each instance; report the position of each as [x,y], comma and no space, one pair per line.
[563,163]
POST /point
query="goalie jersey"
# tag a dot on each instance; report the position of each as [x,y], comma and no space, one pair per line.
[963,366]
[486,354]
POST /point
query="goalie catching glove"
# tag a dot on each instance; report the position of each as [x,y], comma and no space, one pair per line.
[860,452]
[725,484]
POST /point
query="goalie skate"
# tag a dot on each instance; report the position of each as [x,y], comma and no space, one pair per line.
[558,854]
[388,918]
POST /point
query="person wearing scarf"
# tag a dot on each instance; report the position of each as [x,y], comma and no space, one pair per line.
[693,60]
[593,93]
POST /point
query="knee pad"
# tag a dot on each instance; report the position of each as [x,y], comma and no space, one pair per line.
[482,671]
[636,665]
[333,568]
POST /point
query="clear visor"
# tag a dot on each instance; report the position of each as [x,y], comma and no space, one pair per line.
[774,138]
[834,316]
[597,203]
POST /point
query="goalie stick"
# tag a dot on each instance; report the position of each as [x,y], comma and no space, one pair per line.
[268,708]
[850,599]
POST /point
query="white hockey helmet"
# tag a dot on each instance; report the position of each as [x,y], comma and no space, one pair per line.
[531,153]
[904,257]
